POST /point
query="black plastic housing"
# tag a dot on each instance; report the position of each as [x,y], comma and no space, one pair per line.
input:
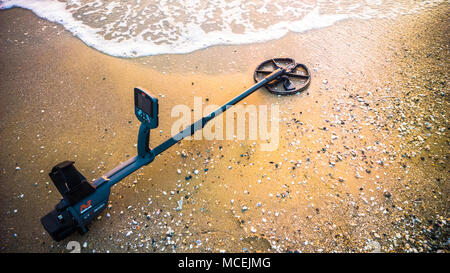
[70,182]
[73,187]
[59,224]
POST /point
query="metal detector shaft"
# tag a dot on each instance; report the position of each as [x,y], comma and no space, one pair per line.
[144,158]
[202,122]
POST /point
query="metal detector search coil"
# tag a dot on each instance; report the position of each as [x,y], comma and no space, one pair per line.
[82,201]
[293,81]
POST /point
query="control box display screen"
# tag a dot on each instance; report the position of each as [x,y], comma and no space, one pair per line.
[146,107]
[144,103]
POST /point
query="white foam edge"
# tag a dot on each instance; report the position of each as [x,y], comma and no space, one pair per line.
[54,11]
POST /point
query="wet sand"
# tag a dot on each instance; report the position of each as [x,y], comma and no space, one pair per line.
[362,163]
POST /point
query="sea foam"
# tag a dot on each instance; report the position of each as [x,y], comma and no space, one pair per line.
[148,27]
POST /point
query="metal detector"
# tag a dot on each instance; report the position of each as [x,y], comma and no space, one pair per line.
[83,201]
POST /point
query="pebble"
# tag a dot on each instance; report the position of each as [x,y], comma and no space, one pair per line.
[180,204]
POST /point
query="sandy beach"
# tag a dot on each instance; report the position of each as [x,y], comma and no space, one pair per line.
[362,162]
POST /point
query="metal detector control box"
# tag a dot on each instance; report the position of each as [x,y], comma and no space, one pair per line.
[146,108]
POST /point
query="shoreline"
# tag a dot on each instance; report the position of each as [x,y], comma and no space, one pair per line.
[95,126]
[316,20]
